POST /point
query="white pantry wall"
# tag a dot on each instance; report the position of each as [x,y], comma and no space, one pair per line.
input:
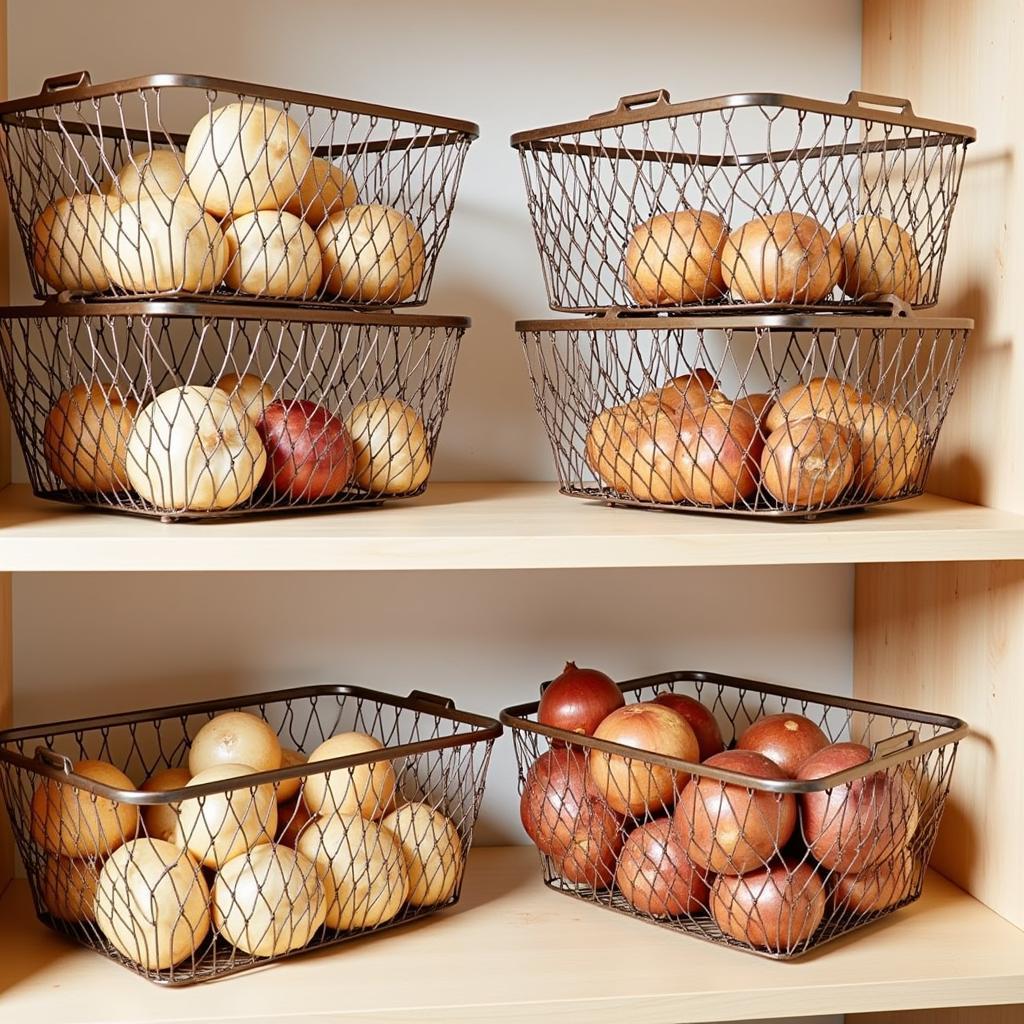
[88,644]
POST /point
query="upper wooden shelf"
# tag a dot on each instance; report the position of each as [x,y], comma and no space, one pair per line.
[494,526]
[514,951]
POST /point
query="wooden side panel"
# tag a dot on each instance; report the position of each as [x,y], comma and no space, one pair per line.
[949,637]
[966,1015]
[961,62]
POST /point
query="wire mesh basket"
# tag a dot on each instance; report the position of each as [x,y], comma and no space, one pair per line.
[786,415]
[738,850]
[174,184]
[186,411]
[186,882]
[758,199]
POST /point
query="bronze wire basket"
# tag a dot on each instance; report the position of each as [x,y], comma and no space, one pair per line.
[708,167]
[788,415]
[903,788]
[439,756]
[255,149]
[365,392]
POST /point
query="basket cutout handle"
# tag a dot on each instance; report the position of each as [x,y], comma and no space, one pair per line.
[858,99]
[432,698]
[70,80]
[654,97]
[54,760]
[898,742]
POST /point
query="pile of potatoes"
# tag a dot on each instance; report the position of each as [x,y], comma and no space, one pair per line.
[204,449]
[247,207]
[788,258]
[268,868]
[815,445]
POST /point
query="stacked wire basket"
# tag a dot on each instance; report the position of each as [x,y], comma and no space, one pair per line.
[745,274]
[224,269]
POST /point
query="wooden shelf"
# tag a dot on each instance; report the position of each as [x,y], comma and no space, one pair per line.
[514,950]
[494,526]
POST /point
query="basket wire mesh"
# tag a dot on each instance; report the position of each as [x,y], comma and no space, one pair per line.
[181,185]
[789,415]
[771,866]
[762,200]
[277,862]
[196,411]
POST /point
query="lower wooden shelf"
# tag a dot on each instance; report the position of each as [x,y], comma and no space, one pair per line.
[515,951]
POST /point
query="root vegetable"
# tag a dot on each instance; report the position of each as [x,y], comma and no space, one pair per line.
[891,450]
[878,887]
[362,869]
[235,737]
[309,451]
[390,446]
[68,243]
[161,820]
[579,700]
[654,874]
[809,463]
[194,448]
[732,829]
[432,849]
[154,246]
[676,258]
[74,822]
[858,824]
[633,785]
[269,901]
[155,174]
[371,254]
[721,445]
[69,888]
[274,253]
[152,904]
[787,740]
[288,789]
[252,393]
[366,789]
[219,826]
[702,721]
[786,258]
[85,437]
[824,397]
[324,189]
[878,259]
[776,909]
[569,821]
[246,156]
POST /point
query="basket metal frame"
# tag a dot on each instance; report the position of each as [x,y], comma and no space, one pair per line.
[45,764]
[656,106]
[77,87]
[181,309]
[886,754]
[890,316]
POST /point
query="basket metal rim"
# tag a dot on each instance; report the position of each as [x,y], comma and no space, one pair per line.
[620,117]
[484,729]
[191,309]
[43,100]
[613,320]
[513,717]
